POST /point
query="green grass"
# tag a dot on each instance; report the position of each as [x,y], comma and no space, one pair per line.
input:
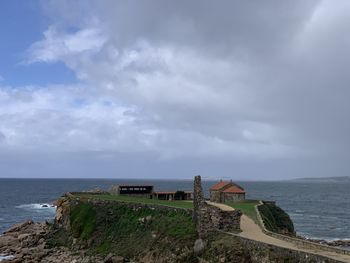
[176,204]
[131,231]
[247,207]
[276,220]
[83,220]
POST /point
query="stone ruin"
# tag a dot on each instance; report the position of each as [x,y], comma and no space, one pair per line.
[209,218]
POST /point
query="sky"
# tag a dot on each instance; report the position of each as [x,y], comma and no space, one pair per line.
[248,90]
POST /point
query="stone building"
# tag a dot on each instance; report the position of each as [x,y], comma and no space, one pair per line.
[226,192]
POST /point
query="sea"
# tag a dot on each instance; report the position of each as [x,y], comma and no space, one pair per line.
[319,210]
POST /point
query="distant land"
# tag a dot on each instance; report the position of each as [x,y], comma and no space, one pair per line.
[323,179]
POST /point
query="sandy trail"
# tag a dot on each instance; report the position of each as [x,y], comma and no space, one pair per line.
[252,231]
[221,206]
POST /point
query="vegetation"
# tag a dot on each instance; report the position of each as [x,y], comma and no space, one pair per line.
[275,219]
[130,230]
[109,197]
[83,220]
[57,237]
[224,248]
[247,207]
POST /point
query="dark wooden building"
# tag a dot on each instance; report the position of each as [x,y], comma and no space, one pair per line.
[173,195]
[145,191]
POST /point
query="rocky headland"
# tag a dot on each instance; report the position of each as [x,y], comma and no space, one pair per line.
[97,227]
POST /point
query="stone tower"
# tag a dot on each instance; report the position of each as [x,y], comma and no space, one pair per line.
[198,200]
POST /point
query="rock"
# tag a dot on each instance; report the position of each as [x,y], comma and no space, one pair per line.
[8,241]
[25,251]
[113,259]
[59,214]
[23,237]
[113,189]
[117,259]
[94,190]
[199,246]
[39,255]
[18,227]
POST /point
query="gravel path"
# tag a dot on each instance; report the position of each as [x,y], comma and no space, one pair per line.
[252,231]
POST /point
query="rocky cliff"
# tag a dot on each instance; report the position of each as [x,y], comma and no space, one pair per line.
[91,230]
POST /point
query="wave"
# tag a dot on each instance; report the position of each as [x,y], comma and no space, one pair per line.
[325,238]
[43,206]
[3,257]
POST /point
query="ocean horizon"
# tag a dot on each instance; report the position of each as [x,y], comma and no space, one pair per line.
[319,210]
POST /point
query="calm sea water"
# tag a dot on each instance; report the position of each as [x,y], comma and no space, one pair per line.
[318,210]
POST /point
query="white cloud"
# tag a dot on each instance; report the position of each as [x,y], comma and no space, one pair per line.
[177,81]
[74,119]
[59,45]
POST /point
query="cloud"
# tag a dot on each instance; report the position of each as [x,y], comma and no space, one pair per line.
[56,119]
[59,45]
[74,119]
[240,80]
[2,137]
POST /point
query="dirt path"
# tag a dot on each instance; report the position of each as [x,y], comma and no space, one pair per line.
[221,206]
[252,231]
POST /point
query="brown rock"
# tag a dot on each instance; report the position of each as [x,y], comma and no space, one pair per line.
[18,227]
[113,259]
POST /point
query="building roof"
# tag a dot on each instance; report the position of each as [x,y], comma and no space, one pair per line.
[234,190]
[220,185]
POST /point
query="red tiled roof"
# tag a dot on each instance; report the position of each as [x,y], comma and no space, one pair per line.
[234,189]
[219,185]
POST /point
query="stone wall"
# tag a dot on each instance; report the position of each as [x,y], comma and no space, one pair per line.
[264,253]
[215,196]
[213,218]
[232,197]
[298,241]
[209,218]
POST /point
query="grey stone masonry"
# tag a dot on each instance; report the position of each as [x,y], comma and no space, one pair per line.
[209,218]
[198,200]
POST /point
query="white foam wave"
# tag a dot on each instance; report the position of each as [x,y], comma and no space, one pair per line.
[37,206]
[328,239]
[3,257]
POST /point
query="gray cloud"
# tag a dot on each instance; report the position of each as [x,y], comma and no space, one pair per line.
[2,137]
[254,83]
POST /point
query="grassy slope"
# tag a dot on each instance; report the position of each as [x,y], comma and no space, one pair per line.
[276,220]
[177,204]
[247,207]
[126,231]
